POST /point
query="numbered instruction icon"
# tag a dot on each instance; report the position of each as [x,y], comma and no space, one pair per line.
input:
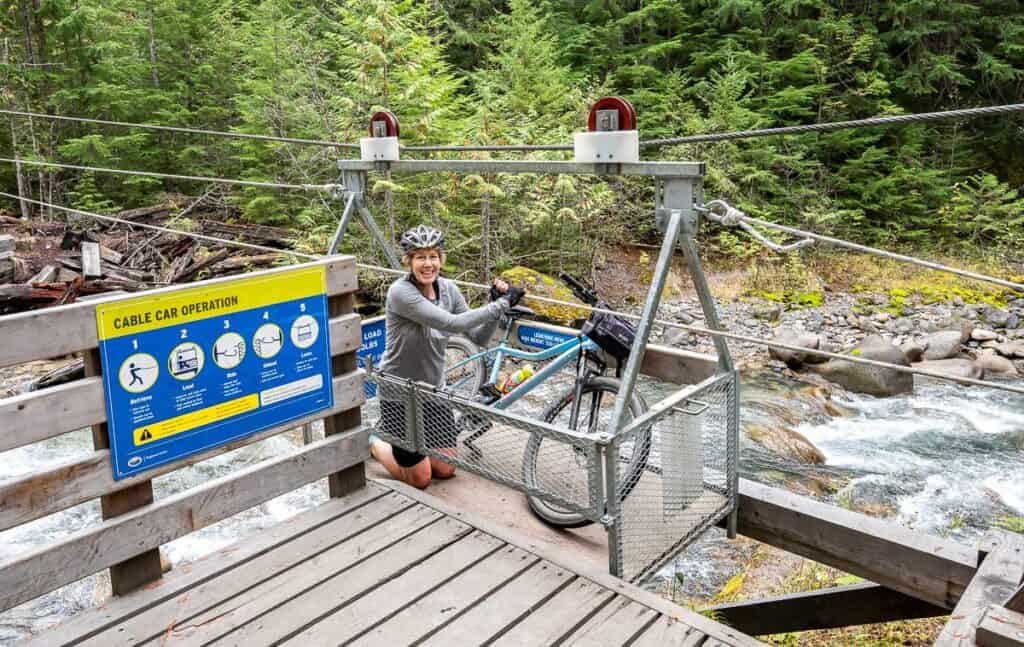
[229,350]
[186,360]
[268,341]
[138,372]
[305,331]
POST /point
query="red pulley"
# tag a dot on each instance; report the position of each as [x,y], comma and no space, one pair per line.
[383,124]
[611,113]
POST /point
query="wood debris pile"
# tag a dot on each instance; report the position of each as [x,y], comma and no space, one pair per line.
[57,261]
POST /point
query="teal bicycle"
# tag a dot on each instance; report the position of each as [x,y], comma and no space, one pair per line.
[585,406]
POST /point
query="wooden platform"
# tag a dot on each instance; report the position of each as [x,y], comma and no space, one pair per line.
[388,565]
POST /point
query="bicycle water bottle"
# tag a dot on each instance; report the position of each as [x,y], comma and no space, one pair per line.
[517,378]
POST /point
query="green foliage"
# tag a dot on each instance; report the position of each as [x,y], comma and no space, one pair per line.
[506,71]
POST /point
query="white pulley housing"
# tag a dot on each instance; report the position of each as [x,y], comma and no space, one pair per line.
[607,147]
[378,149]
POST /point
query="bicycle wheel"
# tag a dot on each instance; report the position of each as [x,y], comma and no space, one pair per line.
[545,457]
[467,379]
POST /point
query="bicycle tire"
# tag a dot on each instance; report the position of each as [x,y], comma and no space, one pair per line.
[469,378]
[559,517]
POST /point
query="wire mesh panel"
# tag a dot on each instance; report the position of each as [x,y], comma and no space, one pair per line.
[531,456]
[554,464]
[687,483]
[398,411]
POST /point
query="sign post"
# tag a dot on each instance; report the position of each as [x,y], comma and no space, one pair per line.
[196,368]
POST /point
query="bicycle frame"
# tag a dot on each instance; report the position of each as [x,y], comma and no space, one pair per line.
[563,354]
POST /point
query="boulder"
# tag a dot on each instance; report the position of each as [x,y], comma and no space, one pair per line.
[943,345]
[1010,349]
[981,334]
[913,351]
[992,363]
[996,316]
[785,442]
[872,380]
[542,285]
[771,313]
[1012,322]
[793,338]
[958,367]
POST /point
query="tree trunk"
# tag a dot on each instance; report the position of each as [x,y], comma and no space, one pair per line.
[152,47]
[485,234]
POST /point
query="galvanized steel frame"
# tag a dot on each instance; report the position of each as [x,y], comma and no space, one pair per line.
[678,192]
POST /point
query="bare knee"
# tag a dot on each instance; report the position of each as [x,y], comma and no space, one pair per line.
[418,475]
[442,470]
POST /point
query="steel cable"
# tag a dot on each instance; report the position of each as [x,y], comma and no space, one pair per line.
[173,176]
[887,120]
[734,217]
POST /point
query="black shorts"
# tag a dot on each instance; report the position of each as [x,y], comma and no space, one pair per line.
[439,429]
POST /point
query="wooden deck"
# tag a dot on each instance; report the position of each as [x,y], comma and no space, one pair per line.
[387,565]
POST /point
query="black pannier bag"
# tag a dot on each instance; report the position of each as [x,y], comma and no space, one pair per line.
[614,335]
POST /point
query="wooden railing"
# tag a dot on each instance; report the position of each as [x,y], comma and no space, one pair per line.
[135,525]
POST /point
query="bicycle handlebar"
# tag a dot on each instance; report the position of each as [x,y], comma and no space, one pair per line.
[582,292]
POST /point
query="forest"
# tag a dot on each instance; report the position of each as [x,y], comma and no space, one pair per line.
[526,71]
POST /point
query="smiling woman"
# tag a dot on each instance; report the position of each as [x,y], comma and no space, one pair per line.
[422,311]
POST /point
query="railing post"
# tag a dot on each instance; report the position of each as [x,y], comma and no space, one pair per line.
[353,478]
[145,567]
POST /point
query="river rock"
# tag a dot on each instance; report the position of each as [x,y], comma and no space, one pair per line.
[943,345]
[957,367]
[1012,322]
[913,351]
[1010,349]
[771,313]
[786,443]
[996,316]
[793,338]
[872,380]
[990,362]
[981,334]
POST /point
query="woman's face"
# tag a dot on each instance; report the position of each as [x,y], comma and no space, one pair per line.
[426,265]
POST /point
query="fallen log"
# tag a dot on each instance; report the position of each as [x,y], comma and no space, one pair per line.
[244,262]
[190,272]
[261,234]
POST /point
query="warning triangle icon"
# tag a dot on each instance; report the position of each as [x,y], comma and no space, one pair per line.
[145,435]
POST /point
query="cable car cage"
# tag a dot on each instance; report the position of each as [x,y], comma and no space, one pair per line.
[687,479]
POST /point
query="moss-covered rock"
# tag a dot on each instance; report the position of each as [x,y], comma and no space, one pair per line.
[539,284]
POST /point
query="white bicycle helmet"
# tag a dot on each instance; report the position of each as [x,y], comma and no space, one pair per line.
[421,237]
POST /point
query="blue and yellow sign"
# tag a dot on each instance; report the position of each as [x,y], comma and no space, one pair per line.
[192,369]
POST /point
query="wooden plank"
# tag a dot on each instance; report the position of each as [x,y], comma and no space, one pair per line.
[83,553]
[844,606]
[91,260]
[614,584]
[348,603]
[666,632]
[38,415]
[1016,600]
[72,328]
[337,626]
[83,479]
[91,622]
[212,609]
[618,623]
[920,565]
[504,607]
[144,566]
[558,616]
[1000,627]
[449,601]
[998,576]
[345,481]
[663,362]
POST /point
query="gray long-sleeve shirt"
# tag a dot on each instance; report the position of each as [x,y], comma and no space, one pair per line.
[418,329]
